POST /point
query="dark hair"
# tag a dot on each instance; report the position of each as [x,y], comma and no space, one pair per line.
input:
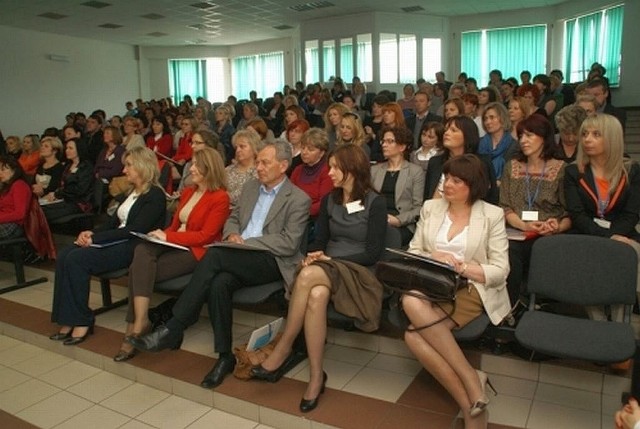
[74,127]
[470,169]
[98,118]
[458,102]
[381,100]
[493,93]
[469,131]
[595,83]
[352,159]
[472,80]
[526,73]
[165,125]
[18,173]
[437,128]
[468,97]
[543,79]
[496,72]
[540,126]
[402,135]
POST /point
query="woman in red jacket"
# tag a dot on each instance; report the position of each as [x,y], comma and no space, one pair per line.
[15,196]
[198,221]
[160,139]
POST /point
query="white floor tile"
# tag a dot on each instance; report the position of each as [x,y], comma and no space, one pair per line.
[96,417]
[395,364]
[512,386]
[510,367]
[173,413]
[54,410]
[568,397]
[10,378]
[571,377]
[100,386]
[338,373]
[41,364]
[348,355]
[615,385]
[221,420]
[15,355]
[7,343]
[509,410]
[69,374]
[374,383]
[546,416]
[25,394]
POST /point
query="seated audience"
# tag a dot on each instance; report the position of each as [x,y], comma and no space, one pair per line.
[453,107]
[588,102]
[93,134]
[131,137]
[599,88]
[332,118]
[351,131]
[109,162]
[373,123]
[198,221]
[249,112]
[260,126]
[312,176]
[468,234]
[160,140]
[519,109]
[415,123]
[498,142]
[430,144]
[532,196]
[200,140]
[568,121]
[549,102]
[142,211]
[471,105]
[247,144]
[224,128]
[401,183]
[14,148]
[49,172]
[76,186]
[15,198]
[460,137]
[184,152]
[602,189]
[337,268]
[30,156]
[407,102]
[275,231]
[531,93]
[291,113]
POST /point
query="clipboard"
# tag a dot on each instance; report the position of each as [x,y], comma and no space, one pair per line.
[158,241]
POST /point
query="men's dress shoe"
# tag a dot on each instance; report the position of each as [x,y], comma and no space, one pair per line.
[307,405]
[61,336]
[160,339]
[222,368]
[73,341]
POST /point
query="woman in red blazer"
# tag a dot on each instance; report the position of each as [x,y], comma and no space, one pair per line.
[198,221]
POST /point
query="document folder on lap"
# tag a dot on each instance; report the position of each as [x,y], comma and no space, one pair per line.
[264,335]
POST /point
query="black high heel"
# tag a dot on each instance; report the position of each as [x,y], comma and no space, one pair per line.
[61,336]
[307,405]
[72,341]
[258,372]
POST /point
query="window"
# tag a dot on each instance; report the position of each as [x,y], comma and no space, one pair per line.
[388,50]
[346,59]
[329,60]
[431,58]
[509,50]
[408,51]
[596,37]
[364,55]
[215,79]
[311,61]
[263,73]
[187,77]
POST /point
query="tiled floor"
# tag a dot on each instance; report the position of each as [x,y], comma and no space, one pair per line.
[373,381]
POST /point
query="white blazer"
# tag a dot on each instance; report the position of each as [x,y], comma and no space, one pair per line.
[487,245]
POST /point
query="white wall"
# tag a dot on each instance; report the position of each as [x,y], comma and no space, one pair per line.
[37,93]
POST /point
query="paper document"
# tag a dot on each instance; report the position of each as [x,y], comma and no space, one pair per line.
[45,202]
[232,245]
[158,241]
[264,335]
[109,244]
[517,235]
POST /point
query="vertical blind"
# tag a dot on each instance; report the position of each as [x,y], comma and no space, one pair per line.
[187,77]
[596,37]
[509,50]
[263,73]
[312,62]
[346,59]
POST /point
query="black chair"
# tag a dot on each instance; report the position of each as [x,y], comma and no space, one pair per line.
[16,248]
[82,221]
[587,271]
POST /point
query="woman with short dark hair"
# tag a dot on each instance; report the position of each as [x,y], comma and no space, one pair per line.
[15,197]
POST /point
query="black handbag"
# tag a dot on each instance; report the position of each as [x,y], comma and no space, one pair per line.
[421,277]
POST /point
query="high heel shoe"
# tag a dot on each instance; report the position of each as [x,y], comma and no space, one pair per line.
[73,341]
[126,352]
[479,406]
[258,372]
[61,336]
[307,405]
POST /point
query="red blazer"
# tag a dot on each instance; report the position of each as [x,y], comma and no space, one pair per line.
[163,146]
[14,204]
[205,222]
[29,162]
[184,151]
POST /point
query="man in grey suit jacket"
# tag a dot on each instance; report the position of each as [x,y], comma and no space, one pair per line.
[270,220]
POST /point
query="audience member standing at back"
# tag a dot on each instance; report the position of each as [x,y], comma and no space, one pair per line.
[93,133]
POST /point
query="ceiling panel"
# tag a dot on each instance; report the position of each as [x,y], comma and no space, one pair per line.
[235,21]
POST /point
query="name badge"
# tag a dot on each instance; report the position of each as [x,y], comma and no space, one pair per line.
[354,207]
[602,223]
[111,157]
[529,215]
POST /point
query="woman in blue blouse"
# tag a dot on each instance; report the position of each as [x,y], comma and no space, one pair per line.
[498,142]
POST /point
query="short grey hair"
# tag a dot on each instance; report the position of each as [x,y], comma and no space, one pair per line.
[570,118]
[283,150]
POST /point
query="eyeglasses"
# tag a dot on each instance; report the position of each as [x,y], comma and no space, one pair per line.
[390,141]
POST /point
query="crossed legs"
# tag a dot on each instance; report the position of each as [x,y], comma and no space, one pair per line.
[308,309]
[437,350]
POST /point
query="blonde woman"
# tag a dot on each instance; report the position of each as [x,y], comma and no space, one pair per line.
[30,156]
[49,172]
[247,144]
[332,118]
[519,109]
[224,128]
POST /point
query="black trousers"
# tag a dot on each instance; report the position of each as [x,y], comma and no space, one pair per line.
[519,258]
[221,272]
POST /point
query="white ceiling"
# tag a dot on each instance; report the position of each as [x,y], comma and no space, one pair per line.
[218,22]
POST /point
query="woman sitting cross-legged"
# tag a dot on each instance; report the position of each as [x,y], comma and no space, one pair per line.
[142,211]
[198,221]
[349,240]
[468,234]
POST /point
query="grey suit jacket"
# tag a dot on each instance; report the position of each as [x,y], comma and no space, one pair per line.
[409,193]
[284,227]
[487,245]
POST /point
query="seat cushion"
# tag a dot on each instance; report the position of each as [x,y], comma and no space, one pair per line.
[256,294]
[570,337]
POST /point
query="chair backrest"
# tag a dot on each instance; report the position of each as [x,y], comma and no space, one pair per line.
[583,270]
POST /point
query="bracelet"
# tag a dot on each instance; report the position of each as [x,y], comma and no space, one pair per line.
[464,268]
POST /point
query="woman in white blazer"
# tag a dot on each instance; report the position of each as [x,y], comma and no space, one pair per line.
[469,234]
[401,183]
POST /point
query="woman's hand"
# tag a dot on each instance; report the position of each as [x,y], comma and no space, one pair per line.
[84,239]
[50,197]
[628,416]
[37,189]
[446,258]
[393,221]
[159,234]
[314,256]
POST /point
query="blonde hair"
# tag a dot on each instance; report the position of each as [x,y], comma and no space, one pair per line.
[144,161]
[251,136]
[209,163]
[358,131]
[55,143]
[611,131]
[341,108]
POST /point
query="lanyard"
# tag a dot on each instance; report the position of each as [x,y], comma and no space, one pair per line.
[602,204]
[531,199]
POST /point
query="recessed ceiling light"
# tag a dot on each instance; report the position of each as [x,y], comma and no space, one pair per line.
[152,16]
[304,7]
[52,15]
[203,5]
[109,25]
[96,4]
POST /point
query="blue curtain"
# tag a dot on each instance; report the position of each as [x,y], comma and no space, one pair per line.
[263,73]
[187,77]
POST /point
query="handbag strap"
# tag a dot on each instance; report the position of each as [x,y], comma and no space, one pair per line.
[426,298]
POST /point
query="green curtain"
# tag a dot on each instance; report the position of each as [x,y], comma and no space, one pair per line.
[346,62]
[569,28]
[408,56]
[187,77]
[612,43]
[512,50]
[312,63]
[364,58]
[471,54]
[329,62]
[263,73]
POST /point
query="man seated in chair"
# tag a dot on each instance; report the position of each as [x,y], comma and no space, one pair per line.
[271,215]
